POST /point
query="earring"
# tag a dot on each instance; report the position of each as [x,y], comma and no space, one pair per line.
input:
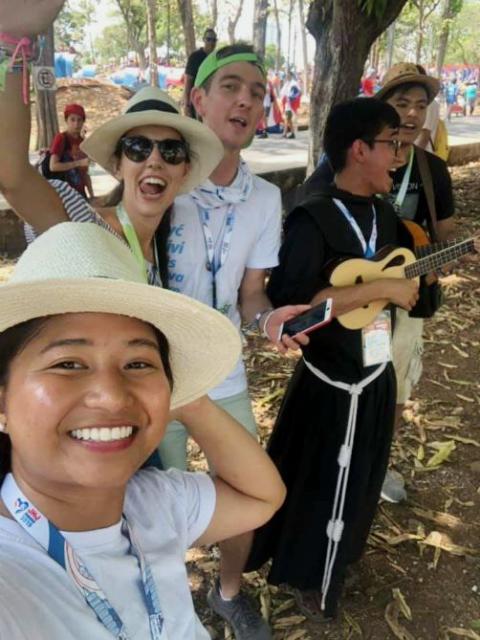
[3,423]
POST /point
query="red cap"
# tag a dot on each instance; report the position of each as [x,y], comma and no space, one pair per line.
[77,109]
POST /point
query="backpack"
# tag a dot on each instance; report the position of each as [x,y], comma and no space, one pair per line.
[43,164]
[440,144]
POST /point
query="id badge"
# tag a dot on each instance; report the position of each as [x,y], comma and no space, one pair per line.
[377,340]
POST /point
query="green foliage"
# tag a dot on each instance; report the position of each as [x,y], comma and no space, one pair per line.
[111,45]
[71,24]
[464,43]
[271,56]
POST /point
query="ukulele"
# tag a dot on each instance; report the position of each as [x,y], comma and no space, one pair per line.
[388,263]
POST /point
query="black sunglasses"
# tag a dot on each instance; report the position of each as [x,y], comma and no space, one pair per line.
[139,148]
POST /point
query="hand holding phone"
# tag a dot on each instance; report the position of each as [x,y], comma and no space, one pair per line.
[310,320]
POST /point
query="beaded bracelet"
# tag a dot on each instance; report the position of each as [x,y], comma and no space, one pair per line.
[20,51]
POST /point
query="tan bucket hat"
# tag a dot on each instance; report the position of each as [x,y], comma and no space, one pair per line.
[152,106]
[78,267]
[405,72]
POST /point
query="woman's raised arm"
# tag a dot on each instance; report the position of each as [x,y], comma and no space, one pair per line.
[24,188]
[249,488]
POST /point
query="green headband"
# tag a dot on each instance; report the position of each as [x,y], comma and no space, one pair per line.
[211,64]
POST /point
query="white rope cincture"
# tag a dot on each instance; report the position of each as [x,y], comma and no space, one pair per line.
[336,524]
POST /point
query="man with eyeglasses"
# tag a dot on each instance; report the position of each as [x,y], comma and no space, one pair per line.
[409,90]
[332,437]
[193,64]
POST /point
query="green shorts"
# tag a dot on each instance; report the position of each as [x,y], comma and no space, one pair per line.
[173,448]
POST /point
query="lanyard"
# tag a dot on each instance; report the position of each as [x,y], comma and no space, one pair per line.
[402,192]
[58,548]
[132,239]
[213,265]
[368,250]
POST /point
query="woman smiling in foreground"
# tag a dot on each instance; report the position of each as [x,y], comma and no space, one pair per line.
[91,362]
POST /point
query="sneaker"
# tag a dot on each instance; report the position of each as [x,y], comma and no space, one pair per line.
[290,136]
[393,489]
[246,622]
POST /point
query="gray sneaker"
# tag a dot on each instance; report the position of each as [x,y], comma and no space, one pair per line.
[393,488]
[246,622]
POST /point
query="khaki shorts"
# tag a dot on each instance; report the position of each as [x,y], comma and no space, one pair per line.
[173,448]
[407,353]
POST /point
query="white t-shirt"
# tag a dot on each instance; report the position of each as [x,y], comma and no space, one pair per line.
[169,510]
[255,243]
[431,122]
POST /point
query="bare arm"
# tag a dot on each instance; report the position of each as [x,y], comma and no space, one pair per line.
[401,292]
[24,188]
[248,487]
[187,89]
[253,299]
[56,164]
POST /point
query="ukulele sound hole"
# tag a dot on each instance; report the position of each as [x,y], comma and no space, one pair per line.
[396,261]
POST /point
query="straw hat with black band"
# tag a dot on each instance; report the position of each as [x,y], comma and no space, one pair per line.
[408,73]
[78,267]
[152,106]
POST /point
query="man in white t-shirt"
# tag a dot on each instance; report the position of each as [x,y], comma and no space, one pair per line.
[224,236]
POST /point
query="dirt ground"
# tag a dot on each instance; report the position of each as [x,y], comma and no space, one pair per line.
[420,576]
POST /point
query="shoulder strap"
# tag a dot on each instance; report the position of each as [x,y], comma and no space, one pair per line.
[427,182]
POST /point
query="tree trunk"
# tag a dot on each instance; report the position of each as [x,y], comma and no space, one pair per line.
[186,15]
[152,41]
[46,104]
[450,9]
[390,44]
[279,35]
[260,16]
[232,22]
[214,14]
[289,40]
[303,35]
[421,28]
[344,33]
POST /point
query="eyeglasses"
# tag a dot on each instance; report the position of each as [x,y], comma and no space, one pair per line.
[395,145]
[139,148]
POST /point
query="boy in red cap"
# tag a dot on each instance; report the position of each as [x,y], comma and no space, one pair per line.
[67,161]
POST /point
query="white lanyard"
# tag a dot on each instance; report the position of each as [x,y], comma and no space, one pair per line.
[402,192]
[59,549]
[368,250]
[212,265]
[132,239]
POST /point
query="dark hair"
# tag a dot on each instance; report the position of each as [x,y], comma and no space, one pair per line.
[403,88]
[12,343]
[114,197]
[358,119]
[227,51]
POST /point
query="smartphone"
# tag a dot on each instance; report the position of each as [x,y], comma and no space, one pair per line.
[310,320]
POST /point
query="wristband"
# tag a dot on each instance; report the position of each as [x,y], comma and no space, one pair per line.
[21,50]
[264,330]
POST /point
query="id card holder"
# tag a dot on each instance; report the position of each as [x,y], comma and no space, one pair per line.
[377,340]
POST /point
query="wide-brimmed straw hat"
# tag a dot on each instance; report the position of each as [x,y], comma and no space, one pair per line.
[406,72]
[78,267]
[152,106]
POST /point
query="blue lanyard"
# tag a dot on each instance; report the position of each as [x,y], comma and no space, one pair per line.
[214,265]
[59,549]
[368,250]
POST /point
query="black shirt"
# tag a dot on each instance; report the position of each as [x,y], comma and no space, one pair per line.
[414,206]
[194,61]
[316,234]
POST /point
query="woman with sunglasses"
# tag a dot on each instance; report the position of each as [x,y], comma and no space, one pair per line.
[154,152]
[91,362]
